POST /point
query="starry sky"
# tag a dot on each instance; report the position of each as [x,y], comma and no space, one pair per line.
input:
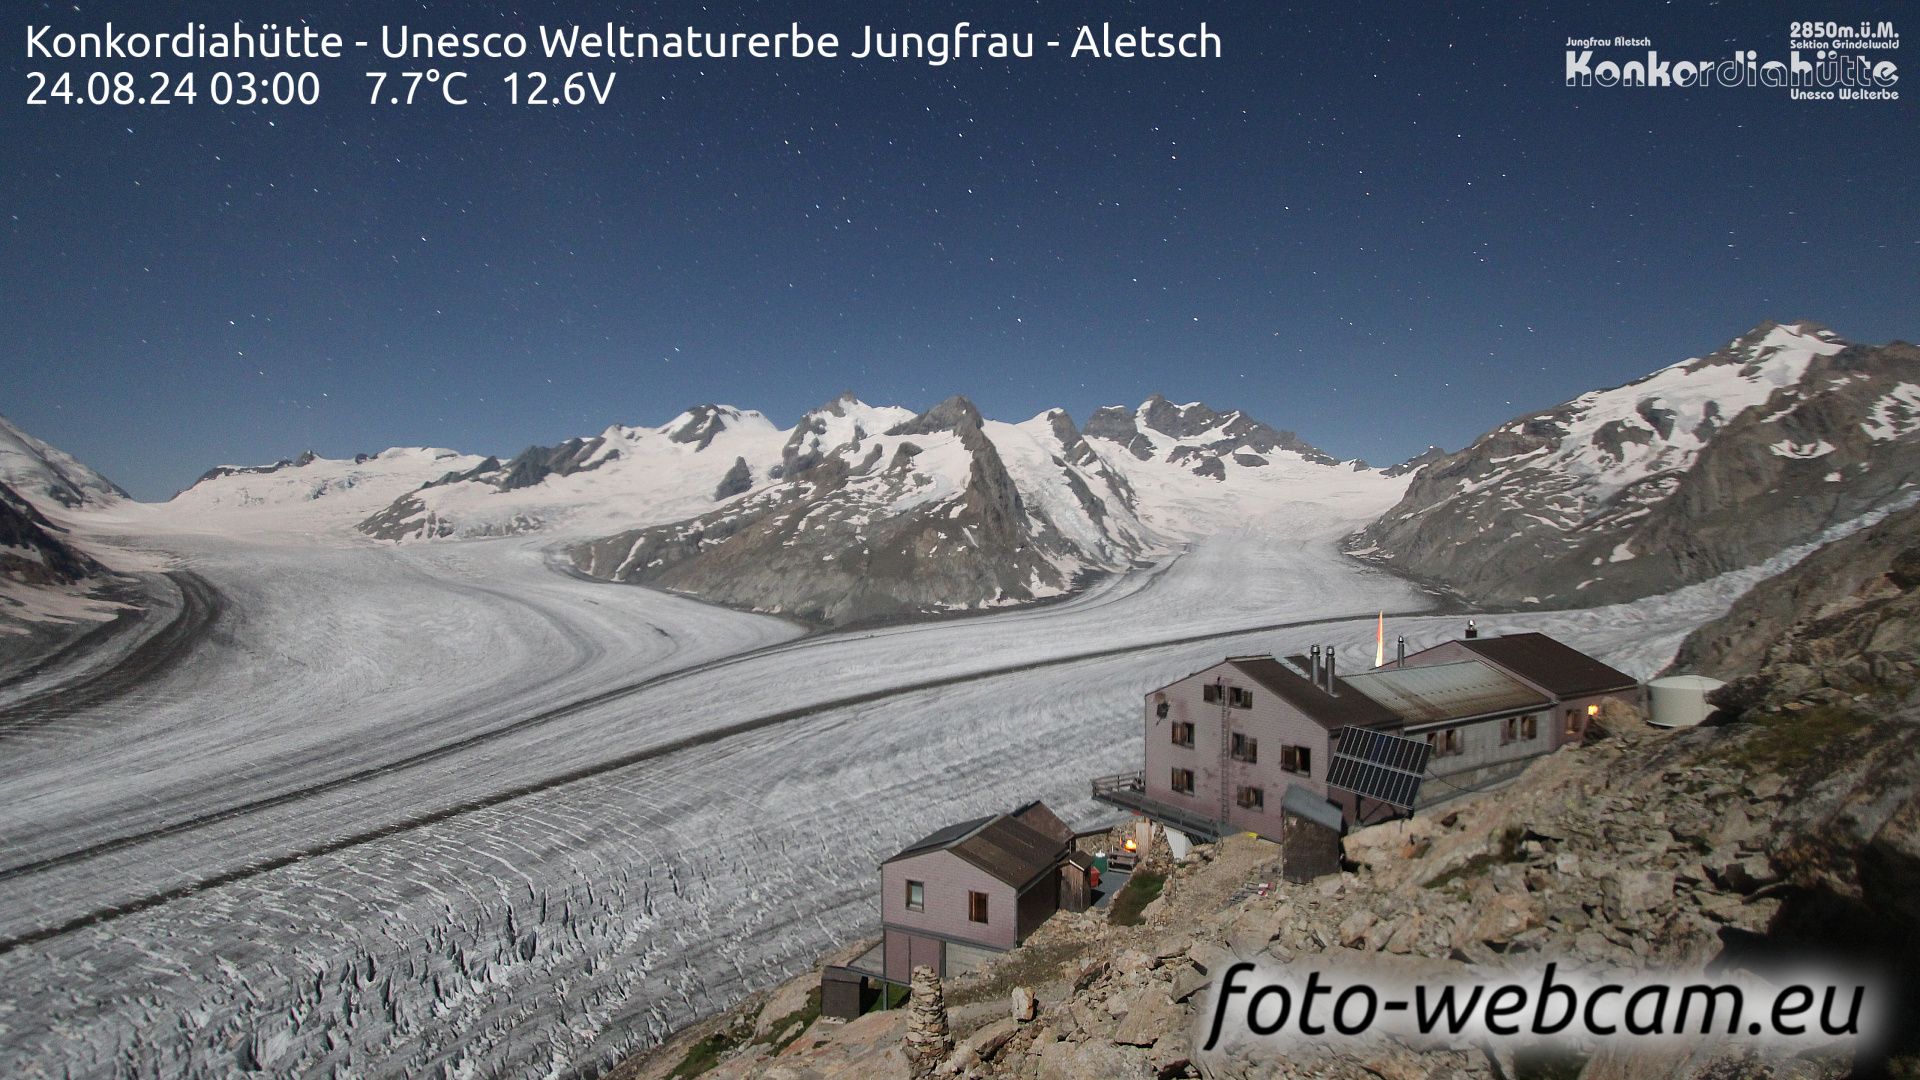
[1382,226]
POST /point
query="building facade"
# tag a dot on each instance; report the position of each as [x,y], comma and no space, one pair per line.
[1226,745]
[980,885]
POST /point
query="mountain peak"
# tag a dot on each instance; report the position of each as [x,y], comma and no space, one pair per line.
[37,470]
[954,414]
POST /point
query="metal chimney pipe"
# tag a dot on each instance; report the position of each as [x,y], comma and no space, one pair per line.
[1472,630]
[1313,668]
[1329,669]
[1400,651]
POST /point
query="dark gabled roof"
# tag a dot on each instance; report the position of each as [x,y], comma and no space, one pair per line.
[1564,671]
[1041,818]
[939,838]
[1348,708]
[1002,845]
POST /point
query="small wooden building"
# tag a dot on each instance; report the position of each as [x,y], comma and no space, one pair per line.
[983,884]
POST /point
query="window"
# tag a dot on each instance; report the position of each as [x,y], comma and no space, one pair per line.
[1238,698]
[916,896]
[1210,693]
[1245,748]
[1519,728]
[1444,743]
[1182,733]
[977,906]
[1296,759]
[1573,722]
[1183,781]
[1253,798]
[1529,726]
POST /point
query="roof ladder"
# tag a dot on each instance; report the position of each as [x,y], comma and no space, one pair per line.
[1226,738]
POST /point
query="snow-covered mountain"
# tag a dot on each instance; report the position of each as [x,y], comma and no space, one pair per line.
[1708,465]
[33,550]
[880,514]
[38,472]
[924,515]
[861,512]
[318,488]
[53,588]
[586,487]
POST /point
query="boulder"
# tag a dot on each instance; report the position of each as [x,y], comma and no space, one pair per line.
[1023,1003]
[1630,895]
[1352,931]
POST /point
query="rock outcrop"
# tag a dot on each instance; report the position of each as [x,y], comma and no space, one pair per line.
[33,550]
[1710,465]
[920,519]
[1866,568]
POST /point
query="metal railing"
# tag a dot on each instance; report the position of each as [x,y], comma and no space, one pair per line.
[1129,792]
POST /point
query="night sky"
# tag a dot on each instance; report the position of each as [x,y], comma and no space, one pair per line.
[1382,229]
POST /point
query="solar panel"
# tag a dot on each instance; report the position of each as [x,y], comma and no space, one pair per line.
[1376,765]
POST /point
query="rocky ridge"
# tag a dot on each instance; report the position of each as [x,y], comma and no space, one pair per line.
[920,518]
[1709,465]
[32,550]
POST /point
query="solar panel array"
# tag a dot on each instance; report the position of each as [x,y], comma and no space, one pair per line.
[1376,765]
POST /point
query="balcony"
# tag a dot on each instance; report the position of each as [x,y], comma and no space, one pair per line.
[1129,792]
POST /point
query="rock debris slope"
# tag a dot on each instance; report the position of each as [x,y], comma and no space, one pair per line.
[1710,465]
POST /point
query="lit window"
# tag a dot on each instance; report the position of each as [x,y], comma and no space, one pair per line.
[916,896]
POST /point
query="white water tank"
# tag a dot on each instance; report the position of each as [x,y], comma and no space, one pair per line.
[1681,700]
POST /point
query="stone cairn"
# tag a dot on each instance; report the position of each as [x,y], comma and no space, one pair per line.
[928,1041]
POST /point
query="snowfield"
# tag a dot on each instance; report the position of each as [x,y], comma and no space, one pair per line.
[443,810]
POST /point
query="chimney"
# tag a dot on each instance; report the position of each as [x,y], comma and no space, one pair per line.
[1472,630]
[1400,651]
[1330,669]
[1313,668]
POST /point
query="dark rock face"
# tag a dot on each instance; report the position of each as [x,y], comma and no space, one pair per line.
[536,463]
[1847,575]
[305,458]
[738,480]
[703,423]
[1232,436]
[31,550]
[805,450]
[1417,462]
[1841,628]
[833,545]
[1644,488]
[1116,424]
